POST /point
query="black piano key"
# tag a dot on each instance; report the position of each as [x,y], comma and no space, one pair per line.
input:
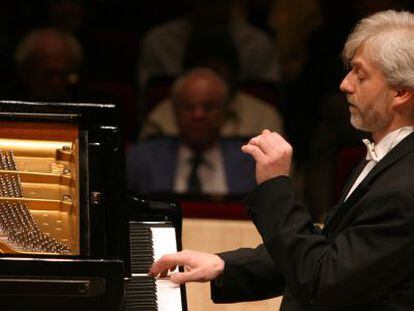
[140,294]
[141,248]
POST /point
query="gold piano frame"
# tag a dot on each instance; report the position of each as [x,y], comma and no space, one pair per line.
[47,159]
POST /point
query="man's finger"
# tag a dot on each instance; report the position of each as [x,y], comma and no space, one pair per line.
[254,151]
[164,273]
[269,142]
[183,277]
[165,263]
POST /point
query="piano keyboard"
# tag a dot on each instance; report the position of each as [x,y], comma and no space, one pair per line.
[148,242]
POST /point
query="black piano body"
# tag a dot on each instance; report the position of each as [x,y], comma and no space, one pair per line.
[64,222]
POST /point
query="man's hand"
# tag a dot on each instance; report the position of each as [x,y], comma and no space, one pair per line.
[273,155]
[198,267]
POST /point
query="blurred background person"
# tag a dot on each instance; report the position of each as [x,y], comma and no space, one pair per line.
[47,62]
[198,161]
[292,22]
[163,46]
[246,115]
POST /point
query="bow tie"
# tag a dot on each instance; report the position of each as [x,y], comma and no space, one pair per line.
[371,154]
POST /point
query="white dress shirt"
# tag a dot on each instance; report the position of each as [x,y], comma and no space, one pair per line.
[375,152]
[211,172]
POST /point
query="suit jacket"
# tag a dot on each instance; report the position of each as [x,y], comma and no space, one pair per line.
[151,166]
[362,260]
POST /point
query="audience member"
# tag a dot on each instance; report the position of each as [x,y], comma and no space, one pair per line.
[246,115]
[47,62]
[163,47]
[199,161]
[292,22]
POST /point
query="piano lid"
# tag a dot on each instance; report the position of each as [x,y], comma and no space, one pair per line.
[91,114]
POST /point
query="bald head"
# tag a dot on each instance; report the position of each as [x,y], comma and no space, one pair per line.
[200,100]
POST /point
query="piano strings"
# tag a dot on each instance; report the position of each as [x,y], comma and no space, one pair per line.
[17,225]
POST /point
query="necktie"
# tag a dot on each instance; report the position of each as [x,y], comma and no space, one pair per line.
[194,184]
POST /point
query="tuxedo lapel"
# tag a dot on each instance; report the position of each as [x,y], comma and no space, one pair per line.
[344,207]
[336,211]
[404,147]
[351,180]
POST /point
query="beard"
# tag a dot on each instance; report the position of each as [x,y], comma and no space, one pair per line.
[370,119]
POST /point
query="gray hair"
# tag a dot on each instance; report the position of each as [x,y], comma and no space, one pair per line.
[27,46]
[388,37]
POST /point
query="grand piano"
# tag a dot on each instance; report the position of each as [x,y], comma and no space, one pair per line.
[71,238]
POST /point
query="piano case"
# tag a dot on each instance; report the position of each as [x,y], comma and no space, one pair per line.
[70,237]
[63,225]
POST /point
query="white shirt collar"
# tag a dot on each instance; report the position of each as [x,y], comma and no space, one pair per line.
[378,151]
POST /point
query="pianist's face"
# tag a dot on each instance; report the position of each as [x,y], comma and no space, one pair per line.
[200,107]
[370,98]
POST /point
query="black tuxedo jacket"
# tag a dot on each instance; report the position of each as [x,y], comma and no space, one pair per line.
[362,260]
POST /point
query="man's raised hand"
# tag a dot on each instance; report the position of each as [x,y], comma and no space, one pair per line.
[272,153]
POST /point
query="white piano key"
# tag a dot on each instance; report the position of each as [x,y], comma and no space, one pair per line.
[168,293]
[164,241]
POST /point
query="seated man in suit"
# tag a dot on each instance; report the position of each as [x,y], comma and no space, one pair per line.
[199,161]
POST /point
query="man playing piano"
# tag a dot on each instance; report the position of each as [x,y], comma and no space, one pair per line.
[364,257]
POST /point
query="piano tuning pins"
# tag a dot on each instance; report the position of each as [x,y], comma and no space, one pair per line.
[7,161]
[16,221]
[10,161]
[66,171]
[66,198]
[2,161]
